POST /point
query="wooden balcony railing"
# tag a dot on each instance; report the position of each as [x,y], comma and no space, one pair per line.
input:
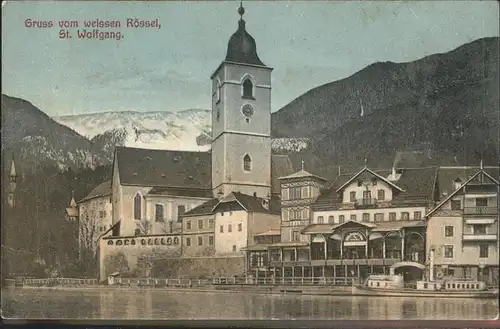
[366,202]
[480,210]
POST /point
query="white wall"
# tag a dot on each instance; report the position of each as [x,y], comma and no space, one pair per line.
[353,187]
[225,241]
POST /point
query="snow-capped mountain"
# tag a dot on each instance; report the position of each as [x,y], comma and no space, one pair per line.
[187,130]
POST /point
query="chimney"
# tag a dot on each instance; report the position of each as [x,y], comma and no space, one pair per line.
[393,174]
[265,204]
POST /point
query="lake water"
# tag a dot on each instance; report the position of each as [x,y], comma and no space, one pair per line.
[169,305]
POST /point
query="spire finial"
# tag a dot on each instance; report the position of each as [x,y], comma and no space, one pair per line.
[241,10]
[481,164]
[366,161]
[302,164]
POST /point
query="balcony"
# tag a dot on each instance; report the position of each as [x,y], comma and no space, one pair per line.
[480,211]
[480,237]
[290,263]
[365,203]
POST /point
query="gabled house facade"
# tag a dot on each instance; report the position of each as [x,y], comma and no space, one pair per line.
[361,223]
[462,230]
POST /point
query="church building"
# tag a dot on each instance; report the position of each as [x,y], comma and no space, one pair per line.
[159,194]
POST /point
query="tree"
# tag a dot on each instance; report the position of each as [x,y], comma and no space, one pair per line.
[88,234]
[144,226]
[167,227]
[116,263]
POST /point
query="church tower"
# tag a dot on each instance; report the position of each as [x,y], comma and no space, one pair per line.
[11,198]
[241,119]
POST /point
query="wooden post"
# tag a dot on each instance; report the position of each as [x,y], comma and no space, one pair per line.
[325,248]
[402,244]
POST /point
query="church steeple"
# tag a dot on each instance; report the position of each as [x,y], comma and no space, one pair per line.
[12,184]
[242,47]
[241,119]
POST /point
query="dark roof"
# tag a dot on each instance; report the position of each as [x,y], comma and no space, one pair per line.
[280,166]
[417,183]
[203,209]
[103,189]
[254,204]
[194,193]
[242,47]
[164,168]
[448,175]
[177,172]
[236,201]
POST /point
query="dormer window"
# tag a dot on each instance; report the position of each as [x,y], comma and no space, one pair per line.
[247,89]
[247,163]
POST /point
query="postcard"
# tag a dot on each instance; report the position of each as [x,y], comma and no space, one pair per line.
[270,160]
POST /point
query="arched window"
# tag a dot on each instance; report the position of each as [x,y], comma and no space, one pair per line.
[137,207]
[247,88]
[247,163]
[217,91]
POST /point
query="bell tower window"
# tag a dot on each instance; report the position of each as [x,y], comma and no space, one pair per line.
[247,163]
[248,89]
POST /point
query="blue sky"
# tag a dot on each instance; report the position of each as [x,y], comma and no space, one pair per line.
[308,44]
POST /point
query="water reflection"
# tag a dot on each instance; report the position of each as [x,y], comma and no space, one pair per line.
[161,304]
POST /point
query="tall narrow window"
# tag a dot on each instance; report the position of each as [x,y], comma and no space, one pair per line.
[247,163]
[137,207]
[159,213]
[217,92]
[180,212]
[483,251]
[247,89]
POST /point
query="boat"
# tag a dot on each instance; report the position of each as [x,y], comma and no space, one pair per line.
[393,286]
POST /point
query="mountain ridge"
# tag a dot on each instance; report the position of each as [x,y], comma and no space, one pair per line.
[444,105]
